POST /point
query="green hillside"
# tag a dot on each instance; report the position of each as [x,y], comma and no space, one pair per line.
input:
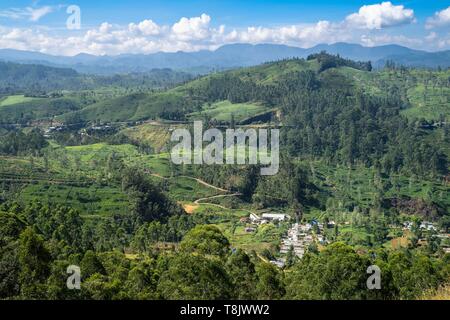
[223,111]
[24,110]
[190,98]
[425,93]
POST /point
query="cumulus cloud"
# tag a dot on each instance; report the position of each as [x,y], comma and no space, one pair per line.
[32,14]
[305,35]
[440,19]
[146,28]
[198,33]
[378,16]
[196,28]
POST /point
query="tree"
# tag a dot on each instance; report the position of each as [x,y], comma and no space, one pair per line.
[416,232]
[10,227]
[270,284]
[380,230]
[206,240]
[337,272]
[412,274]
[444,223]
[90,264]
[147,200]
[34,260]
[142,280]
[241,271]
[9,271]
[194,277]
[290,257]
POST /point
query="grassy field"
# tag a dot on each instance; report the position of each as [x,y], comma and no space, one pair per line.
[11,100]
[223,110]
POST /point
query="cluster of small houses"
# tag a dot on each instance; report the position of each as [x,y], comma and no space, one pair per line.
[84,132]
[425,225]
[301,235]
[429,226]
[48,132]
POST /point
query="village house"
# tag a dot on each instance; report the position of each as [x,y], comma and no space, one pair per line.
[275,216]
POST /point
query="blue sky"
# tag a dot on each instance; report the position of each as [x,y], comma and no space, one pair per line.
[114,27]
[232,12]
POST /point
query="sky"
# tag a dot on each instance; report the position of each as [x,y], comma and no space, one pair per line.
[121,27]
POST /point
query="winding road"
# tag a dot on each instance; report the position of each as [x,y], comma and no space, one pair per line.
[201,200]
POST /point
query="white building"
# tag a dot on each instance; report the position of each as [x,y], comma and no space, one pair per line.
[275,216]
[279,263]
[254,217]
[428,226]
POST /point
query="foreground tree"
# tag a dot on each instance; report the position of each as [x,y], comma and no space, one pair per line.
[34,260]
[194,277]
[336,273]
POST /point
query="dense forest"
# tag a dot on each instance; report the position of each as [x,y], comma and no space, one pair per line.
[38,242]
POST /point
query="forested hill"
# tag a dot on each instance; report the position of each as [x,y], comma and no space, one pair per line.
[328,106]
[260,84]
[271,84]
[34,79]
[17,77]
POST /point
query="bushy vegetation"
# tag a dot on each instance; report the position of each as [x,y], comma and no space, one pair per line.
[19,143]
[38,243]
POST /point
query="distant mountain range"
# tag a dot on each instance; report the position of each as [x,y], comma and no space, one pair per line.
[228,56]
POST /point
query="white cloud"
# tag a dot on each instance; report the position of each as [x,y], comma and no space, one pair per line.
[440,19]
[146,28]
[37,14]
[196,28]
[384,39]
[378,16]
[197,33]
[431,36]
[305,35]
[32,14]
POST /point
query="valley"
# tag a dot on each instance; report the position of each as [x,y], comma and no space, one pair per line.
[364,178]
